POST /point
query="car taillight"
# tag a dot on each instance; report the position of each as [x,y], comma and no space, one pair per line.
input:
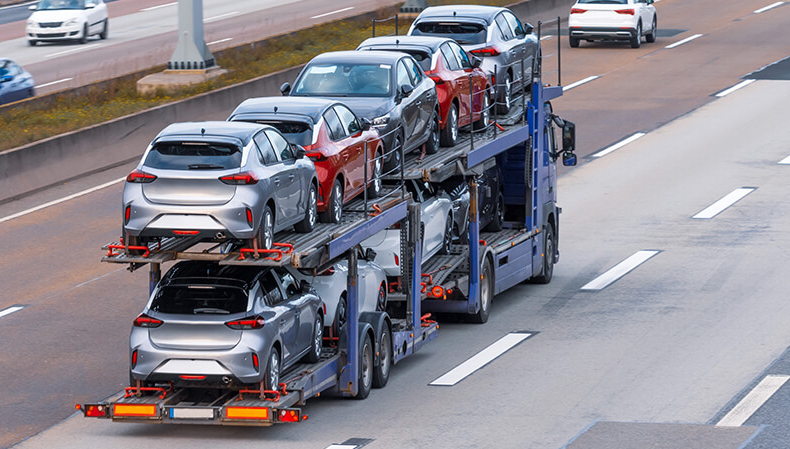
[486,51]
[127,214]
[328,272]
[316,156]
[578,11]
[134,358]
[630,11]
[146,321]
[437,80]
[249,216]
[252,322]
[244,178]
[140,177]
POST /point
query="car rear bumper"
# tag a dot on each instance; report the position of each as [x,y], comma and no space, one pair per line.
[233,365]
[154,220]
[602,33]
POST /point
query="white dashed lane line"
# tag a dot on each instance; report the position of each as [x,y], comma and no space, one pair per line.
[53,82]
[785,161]
[619,270]
[681,42]
[771,6]
[338,11]
[732,89]
[73,50]
[722,204]
[753,401]
[151,8]
[220,41]
[221,16]
[618,145]
[10,310]
[580,82]
[481,359]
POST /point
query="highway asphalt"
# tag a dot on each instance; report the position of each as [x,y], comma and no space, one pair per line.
[665,352]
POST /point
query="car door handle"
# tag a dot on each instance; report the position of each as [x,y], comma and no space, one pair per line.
[276,181]
[291,177]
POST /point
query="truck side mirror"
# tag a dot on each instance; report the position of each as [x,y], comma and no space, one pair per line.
[568,159]
[568,136]
[285,89]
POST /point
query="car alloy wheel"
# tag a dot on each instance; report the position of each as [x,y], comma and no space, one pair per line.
[485,113]
[273,370]
[337,202]
[381,303]
[265,232]
[376,182]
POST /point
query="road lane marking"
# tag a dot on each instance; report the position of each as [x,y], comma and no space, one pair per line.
[753,401]
[53,82]
[73,50]
[546,38]
[10,310]
[61,200]
[342,446]
[151,8]
[481,359]
[580,82]
[618,145]
[333,12]
[771,6]
[681,42]
[728,200]
[220,41]
[785,161]
[732,89]
[620,270]
[221,16]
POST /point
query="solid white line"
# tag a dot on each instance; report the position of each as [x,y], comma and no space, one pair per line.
[221,16]
[10,310]
[546,38]
[620,270]
[579,83]
[53,82]
[220,41]
[73,50]
[618,145]
[66,198]
[481,359]
[753,401]
[678,43]
[732,89]
[342,446]
[785,161]
[333,12]
[728,200]
[151,8]
[771,6]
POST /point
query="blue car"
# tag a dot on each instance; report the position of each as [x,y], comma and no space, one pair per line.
[15,82]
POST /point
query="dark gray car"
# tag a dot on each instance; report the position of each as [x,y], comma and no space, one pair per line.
[219,180]
[226,326]
[388,88]
[494,34]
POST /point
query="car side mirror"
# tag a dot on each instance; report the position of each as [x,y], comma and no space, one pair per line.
[476,62]
[304,286]
[285,89]
[366,124]
[300,151]
[406,90]
[528,28]
[370,255]
[32,7]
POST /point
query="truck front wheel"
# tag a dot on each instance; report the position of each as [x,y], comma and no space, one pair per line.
[548,257]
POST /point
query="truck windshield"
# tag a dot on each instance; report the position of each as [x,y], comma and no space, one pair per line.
[465,33]
[193,156]
[200,299]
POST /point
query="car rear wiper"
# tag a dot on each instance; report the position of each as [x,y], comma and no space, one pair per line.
[211,310]
[204,166]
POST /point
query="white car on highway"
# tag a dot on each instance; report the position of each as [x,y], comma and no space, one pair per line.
[629,20]
[67,20]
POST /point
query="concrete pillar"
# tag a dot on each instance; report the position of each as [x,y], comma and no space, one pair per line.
[191,53]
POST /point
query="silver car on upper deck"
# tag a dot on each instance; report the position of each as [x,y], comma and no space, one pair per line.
[219,180]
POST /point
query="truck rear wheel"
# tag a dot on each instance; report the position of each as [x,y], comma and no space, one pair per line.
[486,293]
[381,373]
[365,381]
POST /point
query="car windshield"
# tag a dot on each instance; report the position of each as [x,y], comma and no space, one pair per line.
[4,68]
[47,5]
[299,133]
[193,156]
[465,33]
[199,300]
[345,80]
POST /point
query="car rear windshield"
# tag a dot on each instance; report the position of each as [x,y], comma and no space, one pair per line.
[299,133]
[200,300]
[193,156]
[422,57]
[345,80]
[463,32]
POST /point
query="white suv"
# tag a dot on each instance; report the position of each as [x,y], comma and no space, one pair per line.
[612,20]
[63,20]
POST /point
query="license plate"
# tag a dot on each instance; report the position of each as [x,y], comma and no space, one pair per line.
[192,413]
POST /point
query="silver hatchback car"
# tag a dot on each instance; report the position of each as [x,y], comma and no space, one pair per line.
[219,180]
[212,325]
[492,33]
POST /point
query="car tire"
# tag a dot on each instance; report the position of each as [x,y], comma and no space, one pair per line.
[651,36]
[573,41]
[334,211]
[450,132]
[486,293]
[340,315]
[547,271]
[485,113]
[448,236]
[432,144]
[381,372]
[106,30]
[271,378]
[498,220]
[84,37]
[308,222]
[636,39]
[374,188]
[381,300]
[393,164]
[503,107]
[365,381]
[265,234]
[318,340]
[32,43]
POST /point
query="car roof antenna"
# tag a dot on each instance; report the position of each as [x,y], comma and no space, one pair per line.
[202,131]
[455,13]
[275,109]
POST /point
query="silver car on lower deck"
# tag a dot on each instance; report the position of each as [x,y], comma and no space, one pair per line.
[207,324]
[219,180]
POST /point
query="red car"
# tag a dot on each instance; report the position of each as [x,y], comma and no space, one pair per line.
[334,138]
[450,67]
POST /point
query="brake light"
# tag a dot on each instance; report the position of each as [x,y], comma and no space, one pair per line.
[127,214]
[95,411]
[134,358]
[189,377]
[146,321]
[486,51]
[181,232]
[255,360]
[288,416]
[140,177]
[437,80]
[397,260]
[252,322]
[578,11]
[629,11]
[316,156]
[244,178]
[249,216]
